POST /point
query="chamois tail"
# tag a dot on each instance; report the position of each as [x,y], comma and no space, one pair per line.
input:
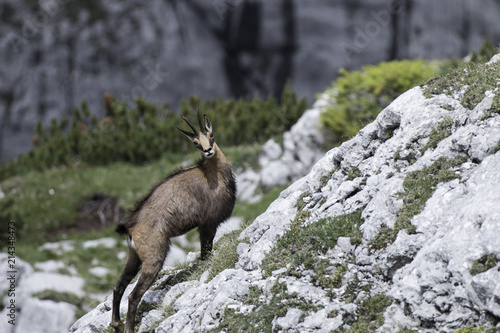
[121,229]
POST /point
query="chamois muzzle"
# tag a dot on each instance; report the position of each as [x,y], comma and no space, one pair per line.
[209,152]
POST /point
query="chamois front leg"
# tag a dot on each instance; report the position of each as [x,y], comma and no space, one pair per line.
[129,272]
[206,241]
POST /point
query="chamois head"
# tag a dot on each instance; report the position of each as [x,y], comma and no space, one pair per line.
[202,139]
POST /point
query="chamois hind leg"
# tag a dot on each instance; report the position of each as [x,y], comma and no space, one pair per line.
[206,241]
[152,262]
[129,272]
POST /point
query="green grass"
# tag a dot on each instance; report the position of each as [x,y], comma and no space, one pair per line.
[441,132]
[477,78]
[370,314]
[299,245]
[46,206]
[418,188]
[261,317]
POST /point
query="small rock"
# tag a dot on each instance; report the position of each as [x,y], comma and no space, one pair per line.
[99,271]
[58,247]
[291,319]
[107,242]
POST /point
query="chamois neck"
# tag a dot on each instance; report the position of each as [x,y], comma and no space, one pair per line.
[219,159]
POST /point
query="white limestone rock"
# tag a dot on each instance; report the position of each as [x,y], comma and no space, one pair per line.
[45,317]
[280,164]
[40,281]
[248,183]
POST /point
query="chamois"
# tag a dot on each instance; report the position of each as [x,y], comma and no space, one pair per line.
[201,196]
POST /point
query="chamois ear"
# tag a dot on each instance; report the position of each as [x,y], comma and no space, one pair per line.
[208,124]
[190,136]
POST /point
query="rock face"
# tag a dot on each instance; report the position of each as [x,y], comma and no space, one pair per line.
[280,164]
[56,53]
[429,275]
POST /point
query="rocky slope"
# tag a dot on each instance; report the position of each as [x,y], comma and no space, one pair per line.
[57,53]
[396,228]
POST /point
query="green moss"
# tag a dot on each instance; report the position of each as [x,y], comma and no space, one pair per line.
[420,185]
[357,97]
[483,264]
[384,237]
[418,188]
[442,131]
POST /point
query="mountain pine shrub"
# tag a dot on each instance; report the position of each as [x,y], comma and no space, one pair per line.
[146,131]
[358,96]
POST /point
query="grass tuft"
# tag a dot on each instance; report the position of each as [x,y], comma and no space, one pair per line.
[418,188]
[299,245]
[483,264]
[261,317]
[475,78]
[371,314]
[441,132]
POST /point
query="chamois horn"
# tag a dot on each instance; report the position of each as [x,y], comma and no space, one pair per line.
[190,125]
[200,123]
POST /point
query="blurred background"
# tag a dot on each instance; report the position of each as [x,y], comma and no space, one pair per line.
[57,53]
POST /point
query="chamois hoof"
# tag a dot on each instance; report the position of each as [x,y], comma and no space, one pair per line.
[119,327]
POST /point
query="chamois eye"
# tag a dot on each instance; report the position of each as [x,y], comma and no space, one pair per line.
[211,139]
